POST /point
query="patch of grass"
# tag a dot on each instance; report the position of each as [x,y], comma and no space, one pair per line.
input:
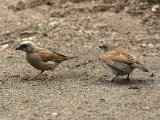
[88,34]
[46,32]
[43,31]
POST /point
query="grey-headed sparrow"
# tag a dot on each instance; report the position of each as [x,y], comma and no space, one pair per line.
[40,58]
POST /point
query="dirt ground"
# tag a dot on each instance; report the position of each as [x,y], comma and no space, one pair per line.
[79,89]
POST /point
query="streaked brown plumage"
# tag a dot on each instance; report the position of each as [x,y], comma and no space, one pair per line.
[120,61]
[41,59]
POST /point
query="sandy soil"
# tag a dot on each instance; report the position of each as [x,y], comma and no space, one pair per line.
[79,89]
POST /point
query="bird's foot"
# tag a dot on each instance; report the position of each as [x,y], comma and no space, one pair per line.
[48,78]
[50,75]
[127,79]
[111,79]
[35,77]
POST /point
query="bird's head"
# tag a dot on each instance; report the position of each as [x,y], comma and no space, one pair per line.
[27,46]
[104,47]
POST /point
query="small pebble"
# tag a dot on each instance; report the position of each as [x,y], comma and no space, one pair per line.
[102,100]
[54,24]
[55,114]
[143,45]
[152,74]
[146,108]
[155,8]
[151,45]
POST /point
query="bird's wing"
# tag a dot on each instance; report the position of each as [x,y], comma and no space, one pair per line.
[119,55]
[46,55]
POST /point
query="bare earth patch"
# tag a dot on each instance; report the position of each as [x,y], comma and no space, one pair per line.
[79,88]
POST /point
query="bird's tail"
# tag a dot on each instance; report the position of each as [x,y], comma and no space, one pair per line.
[143,67]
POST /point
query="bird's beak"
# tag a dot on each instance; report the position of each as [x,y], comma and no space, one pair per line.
[18,48]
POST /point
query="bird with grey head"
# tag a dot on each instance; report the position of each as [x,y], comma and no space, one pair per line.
[40,58]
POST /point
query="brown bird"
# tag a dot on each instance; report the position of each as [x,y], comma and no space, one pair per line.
[40,58]
[120,61]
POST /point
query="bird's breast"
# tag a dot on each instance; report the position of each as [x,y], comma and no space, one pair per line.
[120,68]
[35,61]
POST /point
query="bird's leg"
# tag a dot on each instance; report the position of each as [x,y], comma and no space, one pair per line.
[37,75]
[111,80]
[50,75]
[127,78]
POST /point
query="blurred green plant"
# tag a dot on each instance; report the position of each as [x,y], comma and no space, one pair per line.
[46,32]
[43,31]
[88,34]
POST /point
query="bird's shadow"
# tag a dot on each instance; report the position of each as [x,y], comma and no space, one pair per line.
[121,81]
[57,77]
